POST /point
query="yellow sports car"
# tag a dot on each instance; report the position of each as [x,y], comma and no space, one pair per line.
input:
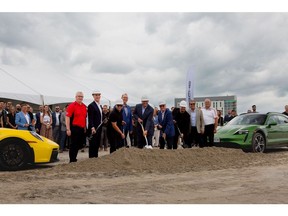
[18,148]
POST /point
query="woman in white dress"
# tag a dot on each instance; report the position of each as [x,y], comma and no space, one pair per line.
[46,123]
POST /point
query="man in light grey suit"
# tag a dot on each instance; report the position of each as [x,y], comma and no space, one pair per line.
[197,124]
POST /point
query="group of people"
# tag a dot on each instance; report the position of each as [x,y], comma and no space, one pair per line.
[146,126]
[48,124]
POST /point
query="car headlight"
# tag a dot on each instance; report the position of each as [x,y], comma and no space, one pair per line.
[241,132]
[33,133]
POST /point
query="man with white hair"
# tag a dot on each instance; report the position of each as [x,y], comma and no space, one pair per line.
[143,114]
[182,125]
[76,125]
[211,123]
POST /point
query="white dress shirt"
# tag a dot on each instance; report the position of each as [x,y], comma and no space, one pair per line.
[209,115]
[100,109]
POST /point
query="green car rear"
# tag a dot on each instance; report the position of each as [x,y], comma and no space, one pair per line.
[254,132]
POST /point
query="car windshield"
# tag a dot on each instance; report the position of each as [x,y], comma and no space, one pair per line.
[250,119]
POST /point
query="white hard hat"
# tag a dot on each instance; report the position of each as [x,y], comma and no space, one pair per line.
[144,98]
[119,102]
[96,92]
[183,104]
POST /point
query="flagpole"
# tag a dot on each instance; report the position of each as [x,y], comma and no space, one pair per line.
[190,85]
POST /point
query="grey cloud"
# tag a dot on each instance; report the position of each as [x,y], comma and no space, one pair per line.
[233,53]
[111,67]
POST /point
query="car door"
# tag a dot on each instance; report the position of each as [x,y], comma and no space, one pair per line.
[283,127]
[273,131]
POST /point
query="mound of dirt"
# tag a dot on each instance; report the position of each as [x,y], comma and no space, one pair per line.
[136,161]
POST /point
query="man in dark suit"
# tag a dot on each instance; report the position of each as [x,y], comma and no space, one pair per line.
[166,126]
[143,114]
[56,124]
[127,118]
[94,120]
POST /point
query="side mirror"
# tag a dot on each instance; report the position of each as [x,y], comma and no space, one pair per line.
[272,124]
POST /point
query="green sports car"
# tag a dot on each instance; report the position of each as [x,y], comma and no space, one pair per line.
[254,132]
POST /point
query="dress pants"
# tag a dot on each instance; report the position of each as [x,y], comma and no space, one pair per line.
[195,137]
[77,137]
[94,144]
[209,133]
[116,142]
[169,141]
[141,140]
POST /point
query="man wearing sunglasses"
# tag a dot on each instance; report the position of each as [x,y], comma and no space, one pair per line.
[197,124]
[182,125]
[115,127]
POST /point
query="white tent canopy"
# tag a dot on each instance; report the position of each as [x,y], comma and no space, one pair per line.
[48,87]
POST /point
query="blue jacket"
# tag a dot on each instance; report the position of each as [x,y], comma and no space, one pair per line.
[166,123]
[127,118]
[147,118]
[20,120]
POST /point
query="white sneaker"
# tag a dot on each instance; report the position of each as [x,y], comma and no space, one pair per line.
[148,147]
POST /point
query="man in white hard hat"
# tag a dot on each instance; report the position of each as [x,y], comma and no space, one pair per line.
[143,114]
[166,126]
[95,124]
[182,125]
[115,127]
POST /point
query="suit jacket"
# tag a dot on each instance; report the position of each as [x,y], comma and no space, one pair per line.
[54,120]
[127,118]
[166,123]
[199,120]
[94,116]
[147,118]
[20,120]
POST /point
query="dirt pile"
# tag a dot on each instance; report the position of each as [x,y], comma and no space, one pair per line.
[137,161]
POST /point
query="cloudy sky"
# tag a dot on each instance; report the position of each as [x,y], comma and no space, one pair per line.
[242,54]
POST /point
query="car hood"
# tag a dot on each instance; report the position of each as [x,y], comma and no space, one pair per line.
[231,129]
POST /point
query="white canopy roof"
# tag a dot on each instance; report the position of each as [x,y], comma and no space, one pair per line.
[42,87]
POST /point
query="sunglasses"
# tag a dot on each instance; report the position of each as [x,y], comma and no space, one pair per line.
[161,105]
[192,103]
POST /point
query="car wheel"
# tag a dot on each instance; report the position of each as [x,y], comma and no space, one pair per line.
[258,143]
[14,154]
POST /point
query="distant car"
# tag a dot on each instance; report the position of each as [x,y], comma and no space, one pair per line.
[18,148]
[254,132]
